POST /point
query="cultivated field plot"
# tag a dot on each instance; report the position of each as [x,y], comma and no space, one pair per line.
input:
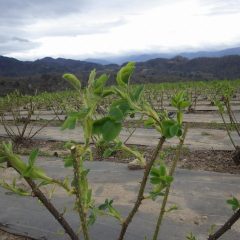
[92,139]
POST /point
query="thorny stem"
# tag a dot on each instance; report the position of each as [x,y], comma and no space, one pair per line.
[226,226]
[80,207]
[50,207]
[140,196]
[171,172]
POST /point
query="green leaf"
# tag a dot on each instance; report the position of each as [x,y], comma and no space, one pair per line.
[137,93]
[32,157]
[124,74]
[92,218]
[73,117]
[103,206]
[169,128]
[81,114]
[107,205]
[107,127]
[155,172]
[123,105]
[99,84]
[98,124]
[168,179]
[154,195]
[173,130]
[68,161]
[162,170]
[179,133]
[116,114]
[184,104]
[149,122]
[91,78]
[111,130]
[179,101]
[28,171]
[69,123]
[172,208]
[155,180]
[168,123]
[107,92]
[234,202]
[73,80]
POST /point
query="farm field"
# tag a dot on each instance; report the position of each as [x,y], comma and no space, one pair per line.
[208,163]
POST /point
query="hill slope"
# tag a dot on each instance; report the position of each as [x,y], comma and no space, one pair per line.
[45,74]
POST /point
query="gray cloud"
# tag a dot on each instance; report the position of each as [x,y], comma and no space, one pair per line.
[22,40]
[17,14]
[23,11]
[80,28]
[18,17]
[16,44]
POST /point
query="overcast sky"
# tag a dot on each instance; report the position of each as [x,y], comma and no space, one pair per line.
[31,29]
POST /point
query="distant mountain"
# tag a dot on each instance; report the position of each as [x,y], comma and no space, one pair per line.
[14,68]
[43,74]
[134,58]
[98,61]
[222,53]
[46,74]
[145,57]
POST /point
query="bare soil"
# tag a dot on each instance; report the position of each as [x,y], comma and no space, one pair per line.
[208,160]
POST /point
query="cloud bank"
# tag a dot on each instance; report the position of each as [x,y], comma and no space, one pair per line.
[31,29]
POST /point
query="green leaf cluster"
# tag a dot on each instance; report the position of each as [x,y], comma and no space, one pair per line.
[74,117]
[160,179]
[180,101]
[171,128]
[234,203]
[108,209]
[125,73]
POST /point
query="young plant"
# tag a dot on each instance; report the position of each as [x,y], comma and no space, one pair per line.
[17,117]
[35,178]
[224,106]
[127,101]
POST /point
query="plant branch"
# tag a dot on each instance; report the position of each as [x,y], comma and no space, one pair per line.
[80,207]
[172,170]
[228,131]
[140,196]
[50,207]
[226,226]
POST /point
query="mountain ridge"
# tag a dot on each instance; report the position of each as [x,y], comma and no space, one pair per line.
[46,74]
[148,56]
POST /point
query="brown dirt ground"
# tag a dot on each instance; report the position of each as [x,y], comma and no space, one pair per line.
[208,160]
